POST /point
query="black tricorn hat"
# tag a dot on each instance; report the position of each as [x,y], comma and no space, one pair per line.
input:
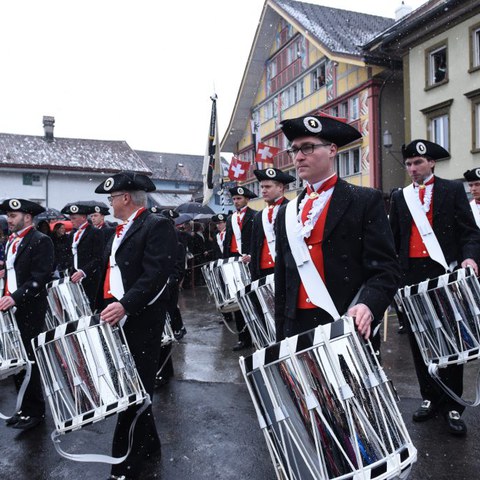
[329,128]
[219,217]
[126,181]
[169,213]
[424,148]
[472,175]
[21,205]
[241,191]
[100,207]
[274,174]
[78,208]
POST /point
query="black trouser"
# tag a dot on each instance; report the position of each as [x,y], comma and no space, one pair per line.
[452,376]
[30,323]
[143,333]
[244,333]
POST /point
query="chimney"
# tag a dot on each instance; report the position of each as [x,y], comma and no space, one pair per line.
[402,11]
[48,124]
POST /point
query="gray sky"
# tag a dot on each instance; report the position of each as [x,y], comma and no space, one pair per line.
[140,71]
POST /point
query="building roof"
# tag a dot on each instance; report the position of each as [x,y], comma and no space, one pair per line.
[338,33]
[28,151]
[173,166]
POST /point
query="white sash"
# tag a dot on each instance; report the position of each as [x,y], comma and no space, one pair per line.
[10,262]
[311,279]
[269,229]
[425,229]
[476,213]
[237,232]
[75,245]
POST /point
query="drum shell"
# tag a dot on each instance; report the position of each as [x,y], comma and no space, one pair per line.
[13,356]
[87,371]
[326,408]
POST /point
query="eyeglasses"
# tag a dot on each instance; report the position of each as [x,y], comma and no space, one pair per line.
[111,197]
[306,149]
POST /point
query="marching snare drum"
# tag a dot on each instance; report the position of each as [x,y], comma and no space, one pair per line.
[87,371]
[257,303]
[67,301]
[226,277]
[13,356]
[326,408]
[444,316]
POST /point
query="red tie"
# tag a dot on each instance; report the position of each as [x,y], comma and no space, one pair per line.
[422,188]
[308,204]
[79,231]
[271,208]
[119,229]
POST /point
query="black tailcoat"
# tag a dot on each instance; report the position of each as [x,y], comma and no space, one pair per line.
[358,251]
[89,256]
[247,226]
[34,264]
[258,235]
[146,258]
[452,222]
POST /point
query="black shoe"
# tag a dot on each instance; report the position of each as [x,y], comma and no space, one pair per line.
[180,333]
[13,420]
[161,381]
[241,346]
[455,425]
[26,423]
[425,412]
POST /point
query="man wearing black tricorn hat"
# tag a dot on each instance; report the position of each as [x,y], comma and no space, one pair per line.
[237,243]
[29,267]
[139,258]
[87,245]
[434,230]
[272,186]
[100,210]
[220,221]
[334,246]
[473,179]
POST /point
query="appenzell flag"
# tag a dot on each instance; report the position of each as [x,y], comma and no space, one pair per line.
[265,154]
[238,170]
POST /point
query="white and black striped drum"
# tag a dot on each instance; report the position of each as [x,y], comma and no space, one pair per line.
[224,278]
[87,371]
[444,317]
[257,303]
[13,356]
[167,335]
[326,408]
[67,301]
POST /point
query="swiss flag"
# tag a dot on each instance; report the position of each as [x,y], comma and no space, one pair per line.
[238,169]
[265,154]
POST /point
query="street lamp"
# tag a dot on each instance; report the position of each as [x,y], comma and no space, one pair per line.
[387,139]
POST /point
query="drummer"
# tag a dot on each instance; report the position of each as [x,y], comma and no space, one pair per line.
[87,245]
[237,243]
[100,210]
[140,259]
[220,221]
[29,267]
[273,183]
[473,179]
[345,227]
[446,207]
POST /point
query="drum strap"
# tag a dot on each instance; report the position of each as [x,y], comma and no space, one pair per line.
[268,228]
[425,229]
[476,213]
[21,391]
[311,279]
[95,457]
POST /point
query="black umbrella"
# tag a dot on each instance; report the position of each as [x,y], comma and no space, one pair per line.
[50,214]
[193,207]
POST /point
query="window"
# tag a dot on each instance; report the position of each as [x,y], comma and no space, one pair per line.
[344,110]
[348,163]
[474,97]
[292,95]
[334,111]
[438,123]
[354,109]
[32,179]
[437,70]
[318,77]
[475,47]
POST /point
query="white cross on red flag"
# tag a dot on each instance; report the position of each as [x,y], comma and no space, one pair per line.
[238,169]
[264,155]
